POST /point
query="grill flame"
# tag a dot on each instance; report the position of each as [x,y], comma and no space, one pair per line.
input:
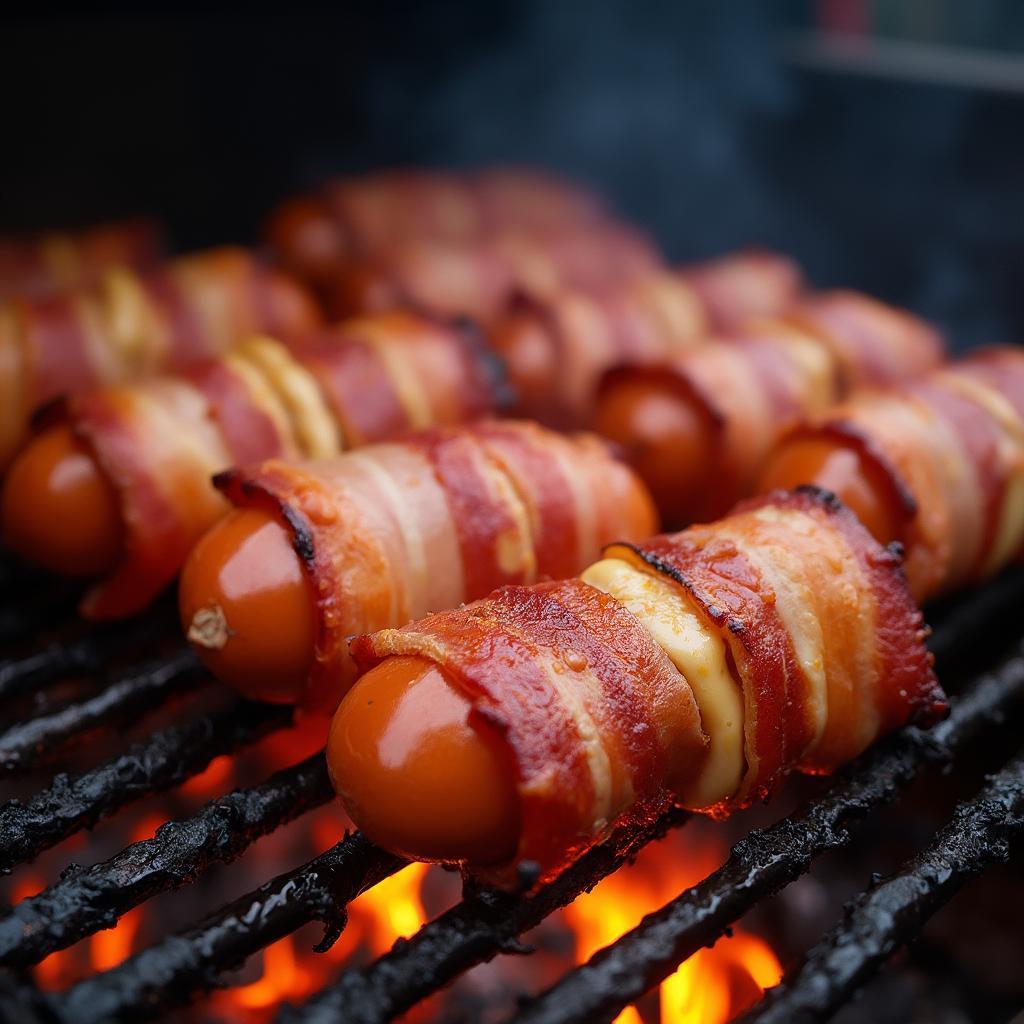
[712,987]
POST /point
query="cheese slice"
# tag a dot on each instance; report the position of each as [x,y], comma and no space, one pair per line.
[316,429]
[668,615]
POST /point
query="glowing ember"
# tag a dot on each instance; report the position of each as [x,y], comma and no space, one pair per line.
[715,984]
[391,910]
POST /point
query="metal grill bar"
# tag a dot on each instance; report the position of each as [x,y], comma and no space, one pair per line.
[164,760]
[88,899]
[766,861]
[173,971]
[86,654]
[893,912]
[485,924]
[25,745]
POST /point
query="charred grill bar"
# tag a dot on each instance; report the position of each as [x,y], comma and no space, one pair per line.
[166,759]
[173,971]
[879,921]
[25,745]
[767,860]
[182,966]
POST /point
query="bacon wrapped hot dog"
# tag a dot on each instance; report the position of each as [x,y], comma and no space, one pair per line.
[353,220]
[699,425]
[39,266]
[382,535]
[556,349]
[118,483]
[480,280]
[132,324]
[695,669]
[937,464]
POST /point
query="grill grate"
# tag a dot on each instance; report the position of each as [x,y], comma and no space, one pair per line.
[769,859]
[182,966]
[878,922]
[25,745]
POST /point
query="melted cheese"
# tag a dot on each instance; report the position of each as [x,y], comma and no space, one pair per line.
[316,429]
[699,654]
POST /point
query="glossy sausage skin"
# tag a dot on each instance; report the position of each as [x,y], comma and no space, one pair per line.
[937,464]
[579,683]
[158,442]
[130,325]
[389,532]
[557,346]
[699,425]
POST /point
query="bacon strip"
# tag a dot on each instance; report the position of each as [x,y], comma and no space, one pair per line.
[393,531]
[362,218]
[159,441]
[648,319]
[479,280]
[601,726]
[744,285]
[45,265]
[951,449]
[754,385]
[128,325]
[874,344]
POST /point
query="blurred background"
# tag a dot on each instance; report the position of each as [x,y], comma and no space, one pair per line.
[880,142]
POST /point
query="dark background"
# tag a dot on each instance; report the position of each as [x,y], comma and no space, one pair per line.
[702,120]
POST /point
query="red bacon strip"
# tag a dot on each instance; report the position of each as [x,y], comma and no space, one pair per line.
[130,325]
[826,644]
[754,385]
[44,265]
[950,449]
[874,344]
[161,440]
[363,218]
[647,319]
[495,504]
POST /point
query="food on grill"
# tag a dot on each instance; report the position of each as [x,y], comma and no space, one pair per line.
[481,280]
[146,450]
[358,219]
[556,348]
[320,551]
[694,668]
[48,263]
[130,324]
[936,464]
[698,426]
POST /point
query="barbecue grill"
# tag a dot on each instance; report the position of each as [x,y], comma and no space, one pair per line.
[739,140]
[181,967]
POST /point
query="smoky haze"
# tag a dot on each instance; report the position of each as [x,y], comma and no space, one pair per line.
[687,115]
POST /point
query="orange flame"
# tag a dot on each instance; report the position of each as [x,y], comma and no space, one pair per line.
[392,909]
[283,978]
[212,781]
[715,984]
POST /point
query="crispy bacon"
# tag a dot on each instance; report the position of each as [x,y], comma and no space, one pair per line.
[755,384]
[749,389]
[497,503]
[825,642]
[874,344]
[481,279]
[45,265]
[648,319]
[951,450]
[743,285]
[159,441]
[359,219]
[129,324]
